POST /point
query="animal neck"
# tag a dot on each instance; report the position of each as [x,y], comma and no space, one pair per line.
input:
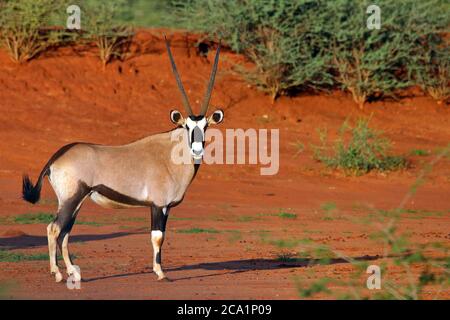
[182,132]
[186,149]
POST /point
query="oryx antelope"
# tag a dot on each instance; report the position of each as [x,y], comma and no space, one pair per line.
[139,174]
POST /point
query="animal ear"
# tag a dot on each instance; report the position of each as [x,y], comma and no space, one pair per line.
[216,117]
[176,117]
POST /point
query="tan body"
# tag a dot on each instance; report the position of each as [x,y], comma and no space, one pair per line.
[138,174]
[128,169]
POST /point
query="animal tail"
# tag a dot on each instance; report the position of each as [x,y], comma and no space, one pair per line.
[32,193]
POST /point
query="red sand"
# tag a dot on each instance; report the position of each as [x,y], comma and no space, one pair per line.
[65,96]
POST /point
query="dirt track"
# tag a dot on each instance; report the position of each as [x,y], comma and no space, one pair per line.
[65,96]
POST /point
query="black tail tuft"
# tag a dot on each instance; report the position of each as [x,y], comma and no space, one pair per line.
[30,193]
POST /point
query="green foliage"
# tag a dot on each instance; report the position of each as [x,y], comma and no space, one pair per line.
[281,38]
[235,235]
[288,257]
[366,150]
[246,218]
[25,29]
[197,230]
[320,286]
[296,45]
[90,223]
[5,287]
[370,63]
[149,13]
[430,260]
[431,70]
[292,45]
[419,152]
[299,146]
[8,256]
[11,256]
[287,215]
[429,64]
[104,27]
[329,209]
[31,218]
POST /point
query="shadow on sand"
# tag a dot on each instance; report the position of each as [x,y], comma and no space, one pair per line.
[27,241]
[239,266]
[225,267]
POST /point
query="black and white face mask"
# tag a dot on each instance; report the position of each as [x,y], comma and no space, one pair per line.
[196,132]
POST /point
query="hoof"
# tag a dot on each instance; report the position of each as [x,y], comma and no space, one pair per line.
[58,276]
[164,279]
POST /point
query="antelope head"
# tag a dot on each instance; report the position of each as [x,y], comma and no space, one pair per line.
[195,125]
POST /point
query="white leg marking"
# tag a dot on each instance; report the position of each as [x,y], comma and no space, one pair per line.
[52,234]
[157,241]
[71,270]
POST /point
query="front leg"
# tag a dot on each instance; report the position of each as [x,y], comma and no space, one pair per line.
[159,220]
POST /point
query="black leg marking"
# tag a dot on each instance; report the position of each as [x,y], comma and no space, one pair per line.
[159,219]
[196,167]
[66,216]
[158,222]
[69,209]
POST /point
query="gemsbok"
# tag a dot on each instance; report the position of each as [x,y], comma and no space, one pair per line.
[138,174]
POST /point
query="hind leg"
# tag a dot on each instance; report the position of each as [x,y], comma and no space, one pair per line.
[58,231]
[53,231]
[63,242]
[58,234]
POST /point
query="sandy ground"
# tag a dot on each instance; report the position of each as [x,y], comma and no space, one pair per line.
[65,96]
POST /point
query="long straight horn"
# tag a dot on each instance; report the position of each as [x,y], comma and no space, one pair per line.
[179,83]
[212,77]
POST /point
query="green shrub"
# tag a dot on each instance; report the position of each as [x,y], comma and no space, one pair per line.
[429,64]
[432,72]
[366,150]
[25,28]
[296,45]
[104,27]
[281,38]
[370,63]
[149,13]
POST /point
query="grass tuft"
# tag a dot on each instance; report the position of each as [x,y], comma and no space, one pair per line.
[246,218]
[363,151]
[197,230]
[31,218]
[46,218]
[419,152]
[287,215]
[9,256]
